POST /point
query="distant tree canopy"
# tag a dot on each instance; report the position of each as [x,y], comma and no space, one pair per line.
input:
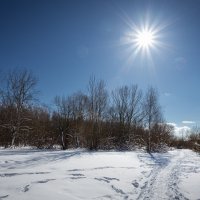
[125,118]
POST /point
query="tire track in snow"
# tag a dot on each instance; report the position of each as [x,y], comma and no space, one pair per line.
[163,180]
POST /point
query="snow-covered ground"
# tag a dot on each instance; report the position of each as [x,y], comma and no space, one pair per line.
[78,175]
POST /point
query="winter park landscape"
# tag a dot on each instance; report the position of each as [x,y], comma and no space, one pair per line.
[99,100]
[79,174]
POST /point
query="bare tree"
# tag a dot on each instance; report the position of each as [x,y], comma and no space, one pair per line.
[97,102]
[194,139]
[78,102]
[78,105]
[61,119]
[152,113]
[89,120]
[97,99]
[41,135]
[17,96]
[126,109]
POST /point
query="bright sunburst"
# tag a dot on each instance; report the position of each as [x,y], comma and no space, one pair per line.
[145,39]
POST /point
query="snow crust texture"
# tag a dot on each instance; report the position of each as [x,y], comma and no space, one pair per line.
[80,175]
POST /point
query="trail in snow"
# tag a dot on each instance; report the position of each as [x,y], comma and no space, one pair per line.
[163,181]
[82,175]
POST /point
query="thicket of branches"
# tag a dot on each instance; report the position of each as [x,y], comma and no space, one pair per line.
[190,141]
[125,118]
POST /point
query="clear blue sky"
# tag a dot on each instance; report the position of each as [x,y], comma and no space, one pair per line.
[64,42]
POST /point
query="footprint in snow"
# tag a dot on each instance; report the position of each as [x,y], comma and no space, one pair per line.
[102,179]
[77,176]
[119,191]
[144,186]
[75,170]
[135,184]
[106,179]
[45,181]
[18,174]
[3,197]
[26,188]
[111,179]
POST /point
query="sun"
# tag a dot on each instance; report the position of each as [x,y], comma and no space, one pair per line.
[145,39]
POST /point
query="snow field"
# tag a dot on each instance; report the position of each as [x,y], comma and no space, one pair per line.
[81,175]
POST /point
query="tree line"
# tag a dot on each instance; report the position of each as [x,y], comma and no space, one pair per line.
[125,118]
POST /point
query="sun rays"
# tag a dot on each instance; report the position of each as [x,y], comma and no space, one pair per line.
[143,41]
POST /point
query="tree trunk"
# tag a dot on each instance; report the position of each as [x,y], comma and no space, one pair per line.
[13,139]
[63,141]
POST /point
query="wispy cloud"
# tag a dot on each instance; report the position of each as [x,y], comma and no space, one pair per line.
[188,122]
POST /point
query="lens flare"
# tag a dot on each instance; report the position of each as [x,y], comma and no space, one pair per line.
[145,39]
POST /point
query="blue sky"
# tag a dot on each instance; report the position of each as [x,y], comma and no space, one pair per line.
[65,42]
